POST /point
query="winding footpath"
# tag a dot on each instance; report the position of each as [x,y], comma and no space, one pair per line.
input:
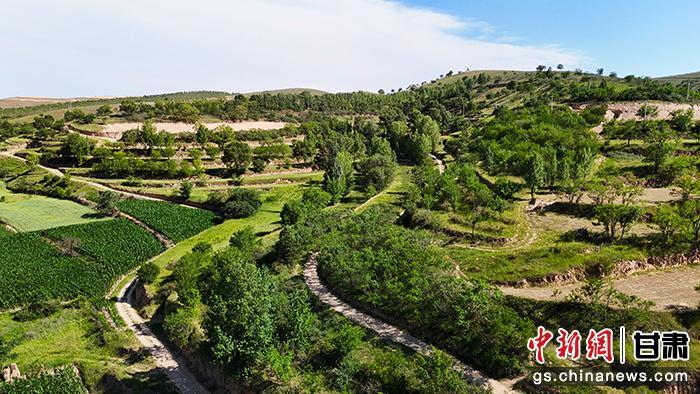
[172,366]
[387,331]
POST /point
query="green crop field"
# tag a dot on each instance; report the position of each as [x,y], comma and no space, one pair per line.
[34,269]
[63,380]
[118,244]
[174,221]
[27,212]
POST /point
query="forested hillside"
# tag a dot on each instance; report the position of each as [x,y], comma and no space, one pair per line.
[425,207]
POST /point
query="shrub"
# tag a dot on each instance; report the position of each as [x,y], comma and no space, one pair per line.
[240,203]
[148,272]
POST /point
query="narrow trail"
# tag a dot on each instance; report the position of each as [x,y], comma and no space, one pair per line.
[172,366]
[440,164]
[167,242]
[668,289]
[389,332]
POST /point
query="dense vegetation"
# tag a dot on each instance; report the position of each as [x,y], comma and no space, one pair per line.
[394,270]
[174,221]
[63,380]
[35,270]
[260,325]
[84,259]
[509,144]
[117,244]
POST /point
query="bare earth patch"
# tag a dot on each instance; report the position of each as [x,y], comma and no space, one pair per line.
[628,110]
[668,289]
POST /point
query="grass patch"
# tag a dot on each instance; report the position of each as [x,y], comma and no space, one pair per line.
[90,128]
[545,256]
[27,212]
[73,336]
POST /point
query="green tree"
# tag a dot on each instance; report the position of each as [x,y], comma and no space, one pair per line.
[687,185]
[338,178]
[245,240]
[304,149]
[316,197]
[32,159]
[240,317]
[107,203]
[535,174]
[148,272]
[148,134]
[617,216]
[293,212]
[667,220]
[185,190]
[690,212]
[202,135]
[237,156]
[298,319]
[259,164]
[682,120]
[647,111]
[77,147]
[239,203]
[104,110]
[377,171]
[659,145]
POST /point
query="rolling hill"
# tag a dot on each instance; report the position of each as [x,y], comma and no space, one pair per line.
[693,78]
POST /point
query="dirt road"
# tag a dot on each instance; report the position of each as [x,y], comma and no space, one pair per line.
[173,367]
[668,289]
[387,331]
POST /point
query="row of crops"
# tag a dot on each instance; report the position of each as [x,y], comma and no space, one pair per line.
[174,221]
[63,380]
[119,245]
[84,259]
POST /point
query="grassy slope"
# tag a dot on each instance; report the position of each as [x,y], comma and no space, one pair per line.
[68,337]
[27,212]
[265,223]
[393,192]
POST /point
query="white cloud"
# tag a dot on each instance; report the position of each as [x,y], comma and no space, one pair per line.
[87,47]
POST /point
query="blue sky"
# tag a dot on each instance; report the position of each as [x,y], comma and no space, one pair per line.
[642,37]
[113,47]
